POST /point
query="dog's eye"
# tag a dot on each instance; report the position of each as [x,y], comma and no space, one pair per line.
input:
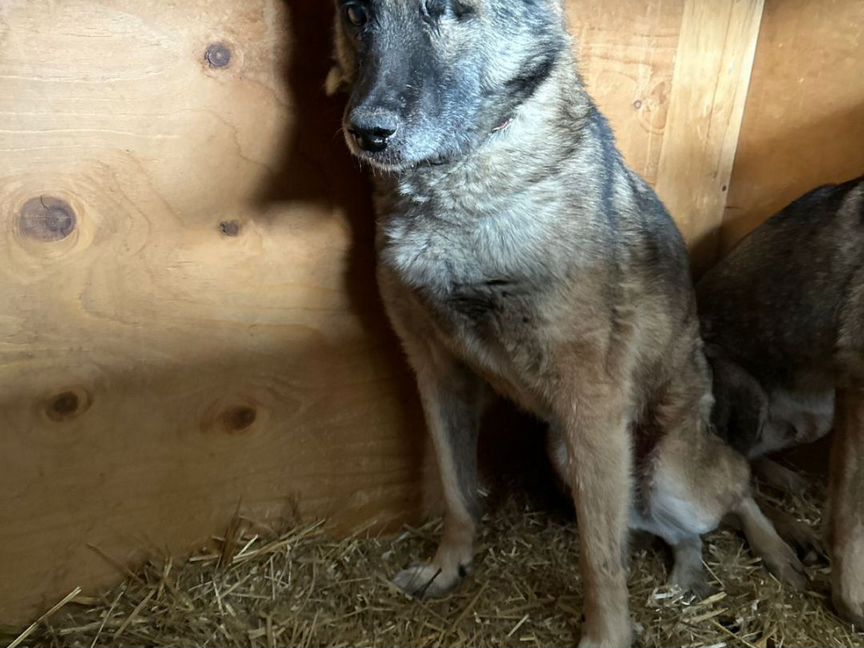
[356,14]
[462,10]
[434,8]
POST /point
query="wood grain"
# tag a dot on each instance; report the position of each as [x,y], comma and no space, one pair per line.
[627,53]
[709,88]
[206,338]
[804,122]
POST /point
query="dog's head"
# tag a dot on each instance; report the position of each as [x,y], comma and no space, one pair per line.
[430,79]
[740,403]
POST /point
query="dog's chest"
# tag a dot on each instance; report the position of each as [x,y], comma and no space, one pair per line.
[468,276]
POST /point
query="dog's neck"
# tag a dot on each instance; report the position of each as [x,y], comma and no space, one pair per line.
[523,138]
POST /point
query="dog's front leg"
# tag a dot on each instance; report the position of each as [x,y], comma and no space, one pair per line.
[598,446]
[453,399]
[846,492]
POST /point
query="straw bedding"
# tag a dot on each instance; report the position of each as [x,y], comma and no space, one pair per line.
[304,588]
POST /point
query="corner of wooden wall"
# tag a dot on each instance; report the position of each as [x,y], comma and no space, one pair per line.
[713,63]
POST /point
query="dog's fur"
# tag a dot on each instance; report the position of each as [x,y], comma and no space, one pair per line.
[517,253]
[783,321]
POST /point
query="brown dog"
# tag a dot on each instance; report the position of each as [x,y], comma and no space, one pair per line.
[517,253]
[783,321]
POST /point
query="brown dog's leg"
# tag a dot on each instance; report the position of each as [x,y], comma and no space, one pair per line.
[600,466]
[453,399]
[846,493]
[779,557]
[779,476]
[689,572]
[798,534]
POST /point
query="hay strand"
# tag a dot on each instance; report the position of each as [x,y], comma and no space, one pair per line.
[21,638]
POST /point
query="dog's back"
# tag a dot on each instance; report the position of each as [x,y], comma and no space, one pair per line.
[777,301]
[783,320]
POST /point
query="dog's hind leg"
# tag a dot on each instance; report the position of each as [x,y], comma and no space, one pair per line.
[779,476]
[698,479]
[846,493]
[689,572]
[765,542]
[795,532]
[453,399]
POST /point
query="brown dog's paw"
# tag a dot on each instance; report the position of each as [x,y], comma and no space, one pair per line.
[428,581]
[852,611]
[786,567]
[623,639]
[806,541]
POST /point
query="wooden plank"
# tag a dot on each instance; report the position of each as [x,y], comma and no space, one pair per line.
[709,88]
[804,121]
[626,53]
[205,335]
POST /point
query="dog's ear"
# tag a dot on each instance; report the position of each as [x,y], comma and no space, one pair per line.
[335,80]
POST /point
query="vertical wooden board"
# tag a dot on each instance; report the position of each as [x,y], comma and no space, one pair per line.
[804,120]
[626,54]
[189,323]
[709,88]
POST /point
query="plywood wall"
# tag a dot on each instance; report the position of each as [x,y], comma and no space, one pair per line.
[672,78]
[189,325]
[804,120]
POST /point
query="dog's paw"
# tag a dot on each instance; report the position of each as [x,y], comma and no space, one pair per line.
[800,535]
[804,539]
[852,611]
[625,640]
[693,582]
[427,581]
[786,567]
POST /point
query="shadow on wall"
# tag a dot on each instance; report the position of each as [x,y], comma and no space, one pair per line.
[316,167]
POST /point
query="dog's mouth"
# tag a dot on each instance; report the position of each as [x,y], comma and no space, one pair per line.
[392,158]
[388,160]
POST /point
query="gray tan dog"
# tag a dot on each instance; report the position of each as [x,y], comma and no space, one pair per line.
[518,254]
[783,320]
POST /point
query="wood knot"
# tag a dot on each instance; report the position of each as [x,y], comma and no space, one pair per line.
[46,219]
[234,415]
[218,55]
[67,405]
[238,419]
[230,228]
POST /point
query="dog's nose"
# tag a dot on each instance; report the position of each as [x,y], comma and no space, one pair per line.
[372,139]
[371,133]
